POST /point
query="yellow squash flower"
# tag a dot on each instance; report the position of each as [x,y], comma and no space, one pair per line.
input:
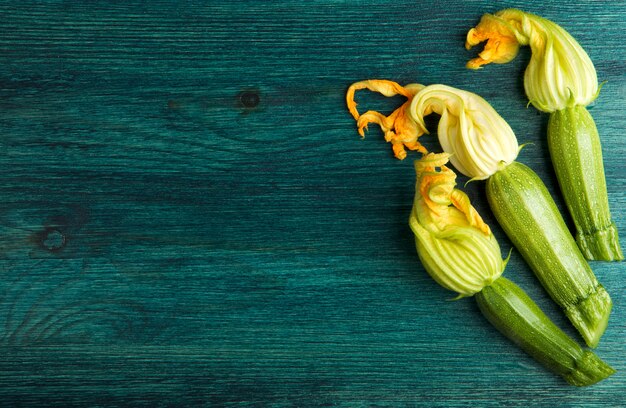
[470,130]
[455,246]
[479,141]
[560,73]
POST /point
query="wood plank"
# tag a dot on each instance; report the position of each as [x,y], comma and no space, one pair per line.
[189,217]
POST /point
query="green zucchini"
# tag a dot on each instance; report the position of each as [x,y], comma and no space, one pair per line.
[525,210]
[576,153]
[507,307]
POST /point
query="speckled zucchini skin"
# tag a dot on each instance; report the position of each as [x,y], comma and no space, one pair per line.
[576,153]
[515,315]
[529,216]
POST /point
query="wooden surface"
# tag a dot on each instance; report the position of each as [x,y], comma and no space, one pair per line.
[189,218]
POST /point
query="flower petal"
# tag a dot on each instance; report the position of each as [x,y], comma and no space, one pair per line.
[560,74]
[399,128]
[455,245]
[477,138]
[501,47]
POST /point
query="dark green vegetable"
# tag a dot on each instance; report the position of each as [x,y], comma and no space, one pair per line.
[515,315]
[529,216]
[577,157]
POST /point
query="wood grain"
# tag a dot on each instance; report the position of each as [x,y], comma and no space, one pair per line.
[188,216]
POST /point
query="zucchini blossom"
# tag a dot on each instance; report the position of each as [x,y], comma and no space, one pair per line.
[479,140]
[560,74]
[456,247]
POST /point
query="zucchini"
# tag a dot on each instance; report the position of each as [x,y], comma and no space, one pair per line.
[481,145]
[508,308]
[529,216]
[577,157]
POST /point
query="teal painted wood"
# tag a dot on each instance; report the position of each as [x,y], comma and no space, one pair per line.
[188,215]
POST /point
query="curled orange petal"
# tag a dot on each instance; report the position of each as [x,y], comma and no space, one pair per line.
[462,202]
[399,128]
[436,186]
[501,47]
[382,86]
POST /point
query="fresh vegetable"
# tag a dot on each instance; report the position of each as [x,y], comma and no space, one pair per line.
[516,316]
[560,79]
[521,202]
[483,146]
[459,251]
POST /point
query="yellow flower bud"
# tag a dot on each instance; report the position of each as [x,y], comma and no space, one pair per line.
[455,246]
[478,139]
[560,73]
